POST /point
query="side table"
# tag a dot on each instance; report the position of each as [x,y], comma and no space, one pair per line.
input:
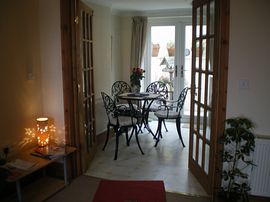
[40,163]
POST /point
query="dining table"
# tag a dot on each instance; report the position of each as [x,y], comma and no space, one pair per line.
[144,101]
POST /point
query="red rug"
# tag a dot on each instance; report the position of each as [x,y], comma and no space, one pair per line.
[130,191]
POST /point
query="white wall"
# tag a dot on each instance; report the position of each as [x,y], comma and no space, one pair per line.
[20,79]
[51,64]
[249,60]
[126,34]
[116,48]
[31,70]
[102,48]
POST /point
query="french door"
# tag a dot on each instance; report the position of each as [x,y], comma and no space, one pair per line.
[208,88]
[169,55]
[85,85]
[78,82]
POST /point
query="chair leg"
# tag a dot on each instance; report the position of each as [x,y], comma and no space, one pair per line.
[140,124]
[131,135]
[127,139]
[116,144]
[178,127]
[107,138]
[137,139]
[158,133]
[146,117]
[165,125]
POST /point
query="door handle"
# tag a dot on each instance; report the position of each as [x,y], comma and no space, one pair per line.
[175,70]
[182,71]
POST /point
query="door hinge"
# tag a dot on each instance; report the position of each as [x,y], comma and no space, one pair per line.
[76,20]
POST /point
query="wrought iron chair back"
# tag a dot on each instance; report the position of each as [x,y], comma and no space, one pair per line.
[120,87]
[181,99]
[109,106]
[158,87]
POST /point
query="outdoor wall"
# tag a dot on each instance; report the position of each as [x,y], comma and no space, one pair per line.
[249,61]
[20,78]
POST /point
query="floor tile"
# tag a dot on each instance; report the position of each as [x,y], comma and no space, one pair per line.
[168,161]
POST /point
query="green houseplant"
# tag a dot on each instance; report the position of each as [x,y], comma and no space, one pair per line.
[238,142]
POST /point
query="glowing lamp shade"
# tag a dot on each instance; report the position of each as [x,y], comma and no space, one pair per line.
[42,131]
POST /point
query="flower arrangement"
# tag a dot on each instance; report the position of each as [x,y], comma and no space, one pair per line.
[136,76]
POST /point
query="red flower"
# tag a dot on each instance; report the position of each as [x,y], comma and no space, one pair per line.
[136,76]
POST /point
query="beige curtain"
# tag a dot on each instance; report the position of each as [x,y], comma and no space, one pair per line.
[139,29]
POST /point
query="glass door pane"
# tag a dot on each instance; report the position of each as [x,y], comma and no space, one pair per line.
[187,67]
[163,55]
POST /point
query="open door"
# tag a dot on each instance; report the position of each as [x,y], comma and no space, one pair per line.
[208,88]
[85,85]
[78,82]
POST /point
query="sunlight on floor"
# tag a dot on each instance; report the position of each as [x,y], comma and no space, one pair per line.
[167,162]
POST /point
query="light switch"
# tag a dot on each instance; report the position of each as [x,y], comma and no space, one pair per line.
[243,84]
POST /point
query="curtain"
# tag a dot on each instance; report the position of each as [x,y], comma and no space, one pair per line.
[138,40]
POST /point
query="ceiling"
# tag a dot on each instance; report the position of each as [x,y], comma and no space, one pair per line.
[143,5]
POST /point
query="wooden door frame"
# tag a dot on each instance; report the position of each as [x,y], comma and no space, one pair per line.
[221,95]
[69,41]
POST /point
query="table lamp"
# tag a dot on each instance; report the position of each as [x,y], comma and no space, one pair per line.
[42,131]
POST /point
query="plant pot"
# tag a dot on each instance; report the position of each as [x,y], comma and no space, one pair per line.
[155,50]
[170,51]
[222,197]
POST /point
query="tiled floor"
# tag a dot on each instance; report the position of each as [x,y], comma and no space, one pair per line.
[167,162]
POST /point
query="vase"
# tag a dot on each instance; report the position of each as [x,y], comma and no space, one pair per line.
[136,89]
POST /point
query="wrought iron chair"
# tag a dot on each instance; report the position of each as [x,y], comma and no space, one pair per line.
[171,110]
[118,88]
[119,123]
[157,87]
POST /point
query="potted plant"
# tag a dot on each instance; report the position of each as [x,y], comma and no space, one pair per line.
[238,142]
[170,48]
[155,49]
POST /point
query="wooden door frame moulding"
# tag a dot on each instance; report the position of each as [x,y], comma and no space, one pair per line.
[223,62]
[68,11]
